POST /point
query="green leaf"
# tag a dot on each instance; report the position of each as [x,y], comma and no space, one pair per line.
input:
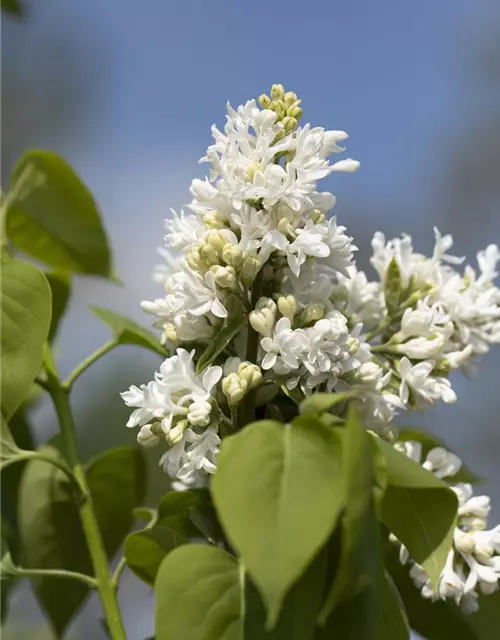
[278,491]
[199,595]
[322,402]
[52,216]
[50,527]
[430,441]
[129,332]
[117,482]
[392,621]
[444,619]
[220,341]
[9,448]
[60,286]
[420,509]
[354,594]
[25,319]
[297,620]
[392,287]
[145,550]
[13,8]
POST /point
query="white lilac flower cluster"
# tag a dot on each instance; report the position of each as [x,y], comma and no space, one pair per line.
[260,277]
[473,562]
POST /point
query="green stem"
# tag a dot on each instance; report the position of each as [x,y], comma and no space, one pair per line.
[118,572]
[85,364]
[105,586]
[55,573]
[39,455]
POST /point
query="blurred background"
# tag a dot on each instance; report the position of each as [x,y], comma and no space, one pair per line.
[127,91]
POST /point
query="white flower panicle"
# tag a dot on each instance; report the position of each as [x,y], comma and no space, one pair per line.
[473,563]
[260,282]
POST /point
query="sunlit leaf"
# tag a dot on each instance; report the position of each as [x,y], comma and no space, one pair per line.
[278,491]
[52,216]
[129,332]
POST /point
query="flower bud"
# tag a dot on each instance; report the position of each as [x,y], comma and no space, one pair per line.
[225,277]
[232,255]
[175,434]
[234,388]
[213,220]
[250,373]
[285,227]
[199,413]
[317,216]
[422,348]
[287,306]
[262,322]
[250,267]
[369,372]
[215,240]
[264,101]
[464,542]
[170,332]
[195,261]
[277,92]
[146,437]
[312,313]
[416,322]
[456,359]
[289,123]
[279,108]
[352,345]
[209,254]
[290,98]
[294,112]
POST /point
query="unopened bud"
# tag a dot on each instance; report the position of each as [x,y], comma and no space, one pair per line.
[287,306]
[290,97]
[279,108]
[294,112]
[264,101]
[213,220]
[175,434]
[317,216]
[262,322]
[225,277]
[146,437]
[232,255]
[277,92]
[285,227]
[252,170]
[209,254]
[464,542]
[250,373]
[199,413]
[289,123]
[195,261]
[352,345]
[234,388]
[170,332]
[215,240]
[250,267]
[312,313]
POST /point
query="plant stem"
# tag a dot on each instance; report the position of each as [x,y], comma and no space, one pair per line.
[85,364]
[247,407]
[39,455]
[105,586]
[55,573]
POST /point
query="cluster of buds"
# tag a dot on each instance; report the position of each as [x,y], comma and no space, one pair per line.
[238,383]
[285,105]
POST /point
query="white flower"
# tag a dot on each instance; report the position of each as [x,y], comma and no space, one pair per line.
[193,457]
[176,391]
[422,348]
[284,348]
[418,378]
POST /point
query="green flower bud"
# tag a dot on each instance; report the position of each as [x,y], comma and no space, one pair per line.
[277,92]
[279,108]
[294,112]
[232,255]
[215,240]
[213,220]
[170,332]
[250,267]
[289,123]
[264,101]
[195,261]
[225,277]
[234,388]
[250,373]
[317,216]
[290,98]
[175,434]
[312,313]
[287,306]
[209,254]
